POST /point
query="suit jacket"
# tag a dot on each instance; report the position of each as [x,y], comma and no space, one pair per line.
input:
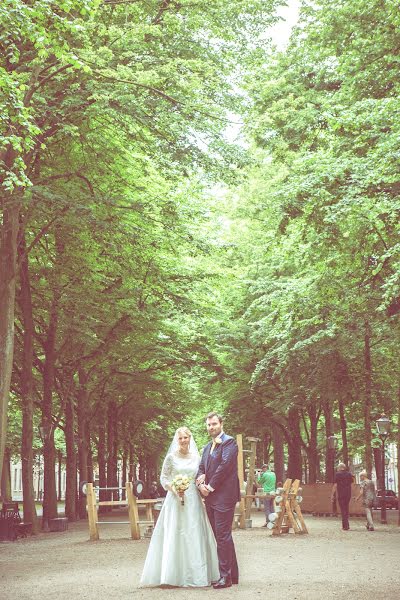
[220,469]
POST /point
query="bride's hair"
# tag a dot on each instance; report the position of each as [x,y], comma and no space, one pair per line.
[174,447]
[183,430]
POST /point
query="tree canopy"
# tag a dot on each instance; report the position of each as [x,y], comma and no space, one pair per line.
[151,269]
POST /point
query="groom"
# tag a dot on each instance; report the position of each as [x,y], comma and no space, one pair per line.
[217,480]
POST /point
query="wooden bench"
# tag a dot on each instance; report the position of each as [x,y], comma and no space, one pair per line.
[58,524]
[11,524]
[131,502]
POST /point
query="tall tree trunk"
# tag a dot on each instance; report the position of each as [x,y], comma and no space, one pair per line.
[132,473]
[26,379]
[377,454]
[82,437]
[294,470]
[5,482]
[101,459]
[343,429]
[124,470]
[112,446]
[306,470]
[89,455]
[329,453]
[49,453]
[8,275]
[279,457]
[70,492]
[142,470]
[59,483]
[368,398]
[312,450]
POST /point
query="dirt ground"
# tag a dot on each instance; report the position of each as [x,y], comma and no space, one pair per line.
[326,564]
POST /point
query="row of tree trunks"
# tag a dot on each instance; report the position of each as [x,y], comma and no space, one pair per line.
[12,246]
[294,444]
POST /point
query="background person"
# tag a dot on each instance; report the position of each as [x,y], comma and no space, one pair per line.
[342,490]
[367,491]
[267,480]
[153,490]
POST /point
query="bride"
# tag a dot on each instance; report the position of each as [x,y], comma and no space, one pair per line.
[182,550]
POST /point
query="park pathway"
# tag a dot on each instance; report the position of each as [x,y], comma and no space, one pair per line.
[326,564]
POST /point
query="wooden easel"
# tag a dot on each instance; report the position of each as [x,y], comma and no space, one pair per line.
[290,516]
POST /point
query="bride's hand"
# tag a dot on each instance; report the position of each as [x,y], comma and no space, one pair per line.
[200,479]
[172,490]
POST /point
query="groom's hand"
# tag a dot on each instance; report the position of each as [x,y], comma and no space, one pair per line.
[200,479]
[203,490]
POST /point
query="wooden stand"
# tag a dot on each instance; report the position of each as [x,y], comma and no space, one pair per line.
[243,515]
[290,516]
[251,477]
[132,503]
[240,515]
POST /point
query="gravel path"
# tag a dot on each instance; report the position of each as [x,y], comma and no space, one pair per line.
[326,564]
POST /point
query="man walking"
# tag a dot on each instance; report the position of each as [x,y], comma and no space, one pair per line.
[267,480]
[342,489]
[217,480]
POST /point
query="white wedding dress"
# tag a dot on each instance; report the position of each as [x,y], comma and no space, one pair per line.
[182,550]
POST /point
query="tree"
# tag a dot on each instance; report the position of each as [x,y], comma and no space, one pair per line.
[112,85]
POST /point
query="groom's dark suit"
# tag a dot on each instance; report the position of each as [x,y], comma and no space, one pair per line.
[220,470]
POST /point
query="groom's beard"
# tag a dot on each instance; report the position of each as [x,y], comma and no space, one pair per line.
[215,435]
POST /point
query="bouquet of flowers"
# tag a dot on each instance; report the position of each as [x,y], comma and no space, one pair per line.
[180,483]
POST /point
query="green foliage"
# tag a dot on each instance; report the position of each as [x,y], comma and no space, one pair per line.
[318,219]
[113,125]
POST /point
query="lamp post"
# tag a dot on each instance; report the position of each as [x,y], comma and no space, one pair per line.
[383,426]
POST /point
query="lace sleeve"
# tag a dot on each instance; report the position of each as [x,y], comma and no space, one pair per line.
[166,472]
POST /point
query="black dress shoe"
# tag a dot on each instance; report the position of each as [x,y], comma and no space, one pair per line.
[223,582]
